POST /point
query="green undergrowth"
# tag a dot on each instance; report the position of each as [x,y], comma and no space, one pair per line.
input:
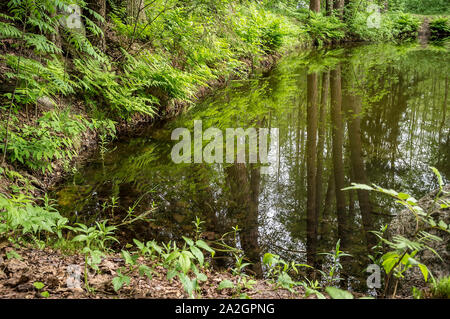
[61,81]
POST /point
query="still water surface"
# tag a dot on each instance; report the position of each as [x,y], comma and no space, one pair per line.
[368,114]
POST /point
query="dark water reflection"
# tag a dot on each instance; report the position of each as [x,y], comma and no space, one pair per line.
[369,114]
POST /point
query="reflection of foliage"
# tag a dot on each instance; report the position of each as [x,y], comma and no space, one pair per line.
[399,125]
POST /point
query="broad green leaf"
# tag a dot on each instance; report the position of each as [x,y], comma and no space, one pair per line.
[202,277]
[188,284]
[172,256]
[145,270]
[442,225]
[171,273]
[403,196]
[190,242]
[424,271]
[200,243]
[224,284]
[80,238]
[128,259]
[337,293]
[185,262]
[198,254]
[38,285]
[268,259]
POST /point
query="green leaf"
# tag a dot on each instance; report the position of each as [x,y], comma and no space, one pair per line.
[442,225]
[38,285]
[119,281]
[80,238]
[188,284]
[12,254]
[438,175]
[224,284]
[172,256]
[145,270]
[190,242]
[424,271]
[45,294]
[200,243]
[139,244]
[185,262]
[268,259]
[358,186]
[198,254]
[403,196]
[129,260]
[171,273]
[202,277]
[337,293]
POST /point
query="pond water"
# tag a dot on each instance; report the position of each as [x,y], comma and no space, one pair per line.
[368,114]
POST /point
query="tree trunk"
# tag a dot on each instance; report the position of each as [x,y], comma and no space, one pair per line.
[135,10]
[314,5]
[102,12]
[329,7]
[339,7]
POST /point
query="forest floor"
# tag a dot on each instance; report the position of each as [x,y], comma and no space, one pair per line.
[21,267]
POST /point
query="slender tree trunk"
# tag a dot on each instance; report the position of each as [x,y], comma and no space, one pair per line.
[135,10]
[339,7]
[329,7]
[102,12]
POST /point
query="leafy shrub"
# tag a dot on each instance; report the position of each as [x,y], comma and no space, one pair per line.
[405,26]
[393,26]
[403,252]
[20,214]
[100,84]
[55,136]
[440,27]
[325,29]
[37,79]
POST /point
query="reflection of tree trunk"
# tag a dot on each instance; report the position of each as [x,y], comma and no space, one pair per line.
[358,169]
[244,192]
[338,164]
[321,142]
[444,109]
[326,219]
[250,233]
[311,227]
[204,201]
